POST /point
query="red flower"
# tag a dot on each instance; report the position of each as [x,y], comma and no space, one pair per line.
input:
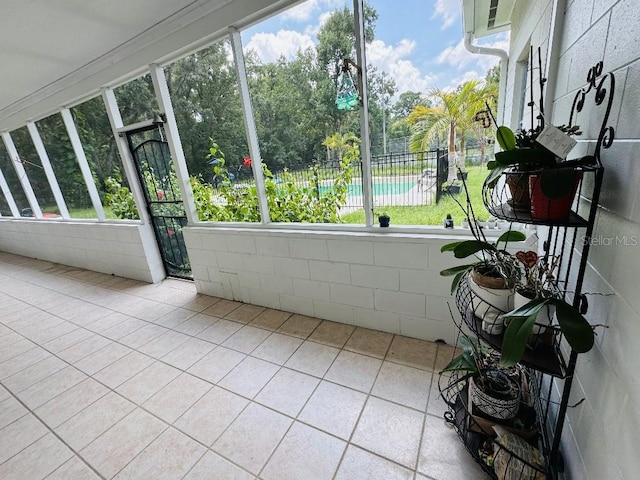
[170,232]
[246,161]
[160,195]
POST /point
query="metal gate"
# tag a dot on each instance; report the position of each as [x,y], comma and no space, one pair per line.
[442,173]
[151,156]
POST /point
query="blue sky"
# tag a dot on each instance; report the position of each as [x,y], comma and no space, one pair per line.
[417,42]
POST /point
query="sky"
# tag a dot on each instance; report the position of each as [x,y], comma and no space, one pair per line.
[419,43]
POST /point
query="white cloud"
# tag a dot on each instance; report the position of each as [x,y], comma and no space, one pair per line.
[448,10]
[392,60]
[270,46]
[459,57]
[301,12]
[465,77]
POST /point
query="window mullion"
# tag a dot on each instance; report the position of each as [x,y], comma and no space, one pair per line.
[72,131]
[365,144]
[8,196]
[48,170]
[22,174]
[250,125]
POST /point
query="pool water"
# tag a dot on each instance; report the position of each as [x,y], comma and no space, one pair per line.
[379,188]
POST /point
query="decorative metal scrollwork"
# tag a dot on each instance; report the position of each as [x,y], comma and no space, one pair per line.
[604,89]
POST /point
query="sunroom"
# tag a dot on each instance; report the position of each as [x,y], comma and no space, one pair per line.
[181,301]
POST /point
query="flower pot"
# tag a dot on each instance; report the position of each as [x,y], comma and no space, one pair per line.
[500,399]
[384,220]
[518,183]
[552,207]
[544,317]
[492,290]
[492,322]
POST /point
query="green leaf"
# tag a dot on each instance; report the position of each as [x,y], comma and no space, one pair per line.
[511,236]
[532,307]
[574,326]
[455,270]
[515,339]
[495,174]
[506,138]
[456,281]
[449,247]
[469,247]
[557,183]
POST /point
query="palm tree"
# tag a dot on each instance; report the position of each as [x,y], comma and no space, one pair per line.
[339,142]
[451,114]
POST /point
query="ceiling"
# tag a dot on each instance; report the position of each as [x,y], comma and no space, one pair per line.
[486,17]
[55,53]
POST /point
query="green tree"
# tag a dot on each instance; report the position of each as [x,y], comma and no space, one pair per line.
[206,101]
[336,41]
[452,114]
[381,89]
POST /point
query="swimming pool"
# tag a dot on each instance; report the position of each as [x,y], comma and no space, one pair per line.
[379,188]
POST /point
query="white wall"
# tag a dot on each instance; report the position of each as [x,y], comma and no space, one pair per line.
[126,249]
[600,441]
[384,281]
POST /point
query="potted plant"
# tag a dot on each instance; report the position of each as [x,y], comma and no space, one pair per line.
[536,282]
[494,273]
[453,188]
[538,181]
[494,391]
[538,304]
[533,172]
[384,219]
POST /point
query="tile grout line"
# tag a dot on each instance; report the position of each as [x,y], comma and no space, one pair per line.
[52,431]
[280,366]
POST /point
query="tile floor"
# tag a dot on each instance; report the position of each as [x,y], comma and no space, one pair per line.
[104,377]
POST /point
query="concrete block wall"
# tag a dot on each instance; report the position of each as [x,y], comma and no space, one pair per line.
[388,282]
[600,439]
[126,249]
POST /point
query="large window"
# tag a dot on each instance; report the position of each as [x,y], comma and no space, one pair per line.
[13,182]
[206,102]
[65,166]
[34,171]
[102,155]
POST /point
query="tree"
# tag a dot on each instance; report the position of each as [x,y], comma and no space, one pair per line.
[381,89]
[452,113]
[336,41]
[206,101]
[406,102]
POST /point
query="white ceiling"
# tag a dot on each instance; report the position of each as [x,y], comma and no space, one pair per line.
[54,53]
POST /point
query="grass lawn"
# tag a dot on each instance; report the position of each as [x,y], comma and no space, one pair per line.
[78,212]
[434,214]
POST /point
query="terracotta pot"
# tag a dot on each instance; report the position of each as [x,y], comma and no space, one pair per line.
[518,183]
[545,208]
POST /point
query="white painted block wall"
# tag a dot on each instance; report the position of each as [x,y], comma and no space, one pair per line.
[126,249]
[600,441]
[388,282]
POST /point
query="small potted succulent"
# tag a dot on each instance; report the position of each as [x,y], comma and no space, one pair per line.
[384,219]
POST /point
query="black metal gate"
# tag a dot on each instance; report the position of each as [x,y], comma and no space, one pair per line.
[151,156]
[442,173]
